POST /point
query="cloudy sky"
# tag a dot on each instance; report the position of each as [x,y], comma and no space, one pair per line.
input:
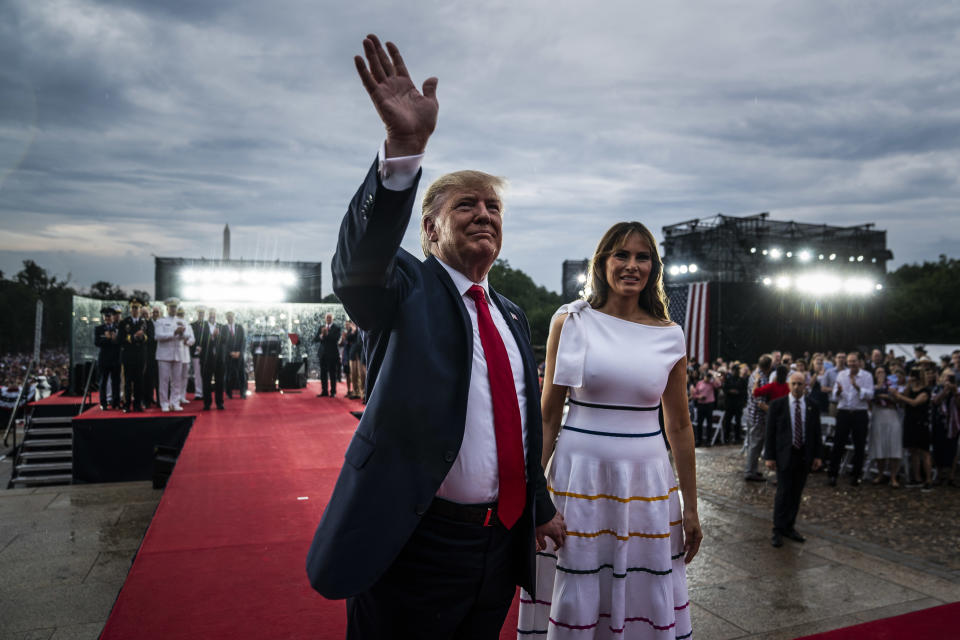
[136,127]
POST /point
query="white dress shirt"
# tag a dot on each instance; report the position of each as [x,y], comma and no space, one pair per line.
[851,399]
[474,476]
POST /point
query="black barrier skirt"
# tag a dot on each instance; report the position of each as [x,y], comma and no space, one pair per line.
[122,449]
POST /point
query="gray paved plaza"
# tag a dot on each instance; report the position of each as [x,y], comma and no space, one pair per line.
[65,552]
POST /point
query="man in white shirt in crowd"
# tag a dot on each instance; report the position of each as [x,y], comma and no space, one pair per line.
[197,327]
[185,350]
[852,392]
[169,332]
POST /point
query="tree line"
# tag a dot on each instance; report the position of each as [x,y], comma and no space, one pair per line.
[921,303]
[19,295]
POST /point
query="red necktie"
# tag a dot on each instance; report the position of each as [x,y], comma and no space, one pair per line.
[506,415]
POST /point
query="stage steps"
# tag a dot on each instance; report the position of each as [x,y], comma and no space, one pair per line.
[46,455]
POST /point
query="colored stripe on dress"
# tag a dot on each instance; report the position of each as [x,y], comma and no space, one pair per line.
[583,627]
[655,572]
[611,532]
[607,433]
[613,407]
[584,496]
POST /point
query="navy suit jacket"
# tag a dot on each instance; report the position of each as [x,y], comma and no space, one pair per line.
[419,357]
[780,433]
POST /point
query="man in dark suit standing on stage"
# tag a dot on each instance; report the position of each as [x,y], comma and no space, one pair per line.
[793,449]
[106,336]
[442,500]
[212,359]
[135,332]
[234,341]
[328,335]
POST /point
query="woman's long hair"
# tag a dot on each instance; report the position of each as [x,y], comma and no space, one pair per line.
[653,298]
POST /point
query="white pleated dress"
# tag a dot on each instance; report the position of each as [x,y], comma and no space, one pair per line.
[620,573]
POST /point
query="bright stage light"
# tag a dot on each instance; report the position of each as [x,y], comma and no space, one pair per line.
[693,268]
[775,253]
[858,286]
[789,254]
[753,249]
[804,256]
[674,270]
[833,256]
[765,252]
[821,284]
[852,258]
[582,278]
[683,268]
[859,258]
[237,285]
[820,257]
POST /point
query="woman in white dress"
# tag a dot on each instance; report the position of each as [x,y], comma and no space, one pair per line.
[620,573]
[886,430]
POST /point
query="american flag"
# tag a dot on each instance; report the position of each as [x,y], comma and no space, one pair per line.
[690,308]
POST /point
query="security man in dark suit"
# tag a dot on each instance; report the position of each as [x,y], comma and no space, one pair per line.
[135,334]
[793,449]
[234,341]
[212,359]
[442,501]
[328,335]
[107,337]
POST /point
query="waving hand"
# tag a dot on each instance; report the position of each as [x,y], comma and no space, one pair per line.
[409,116]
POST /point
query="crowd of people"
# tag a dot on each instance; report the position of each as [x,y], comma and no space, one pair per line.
[884,404]
[156,354]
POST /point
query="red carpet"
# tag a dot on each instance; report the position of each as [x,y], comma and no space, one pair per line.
[224,555]
[937,622]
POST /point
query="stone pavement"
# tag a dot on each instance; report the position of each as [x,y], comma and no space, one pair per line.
[65,552]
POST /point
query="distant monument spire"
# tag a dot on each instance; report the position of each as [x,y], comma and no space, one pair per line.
[226,242]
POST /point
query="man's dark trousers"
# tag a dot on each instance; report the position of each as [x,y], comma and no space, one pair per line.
[111,369]
[134,366]
[790,483]
[464,574]
[849,422]
[213,374]
[329,368]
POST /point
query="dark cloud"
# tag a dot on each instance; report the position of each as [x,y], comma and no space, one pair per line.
[135,127]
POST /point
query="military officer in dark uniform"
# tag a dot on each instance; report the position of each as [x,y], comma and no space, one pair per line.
[134,334]
[107,337]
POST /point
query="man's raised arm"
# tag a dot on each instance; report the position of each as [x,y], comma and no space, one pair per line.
[364,266]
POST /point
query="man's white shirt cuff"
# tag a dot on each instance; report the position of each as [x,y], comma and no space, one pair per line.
[397,174]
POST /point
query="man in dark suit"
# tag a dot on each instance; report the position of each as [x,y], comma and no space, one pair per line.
[793,449]
[328,335]
[234,341]
[441,503]
[212,359]
[135,332]
[106,336]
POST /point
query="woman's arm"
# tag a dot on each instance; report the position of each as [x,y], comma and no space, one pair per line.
[679,432]
[913,402]
[553,396]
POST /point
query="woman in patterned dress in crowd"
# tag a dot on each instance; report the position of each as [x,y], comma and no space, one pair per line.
[621,572]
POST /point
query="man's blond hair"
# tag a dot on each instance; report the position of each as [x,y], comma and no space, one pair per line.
[437,193]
